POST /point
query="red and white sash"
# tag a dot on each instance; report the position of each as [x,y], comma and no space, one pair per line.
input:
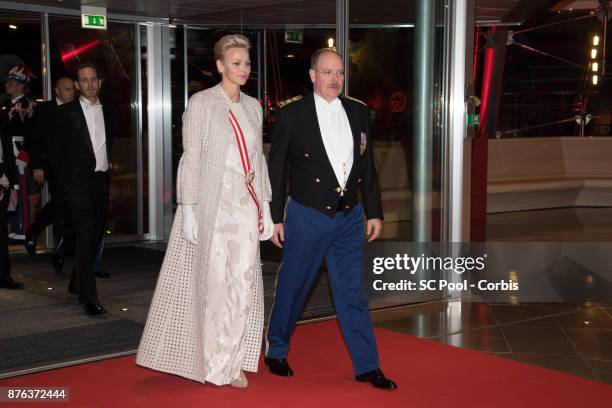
[249,175]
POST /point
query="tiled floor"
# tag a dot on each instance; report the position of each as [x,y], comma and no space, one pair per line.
[572,338]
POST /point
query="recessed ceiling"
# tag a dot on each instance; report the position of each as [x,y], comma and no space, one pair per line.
[303,12]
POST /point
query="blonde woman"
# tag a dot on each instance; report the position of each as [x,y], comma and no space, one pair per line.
[206,318]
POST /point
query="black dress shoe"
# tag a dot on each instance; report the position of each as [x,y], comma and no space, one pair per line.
[102,274]
[9,283]
[279,366]
[94,308]
[58,263]
[377,379]
[30,246]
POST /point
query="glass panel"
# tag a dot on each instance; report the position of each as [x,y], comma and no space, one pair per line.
[381,73]
[144,83]
[178,86]
[113,53]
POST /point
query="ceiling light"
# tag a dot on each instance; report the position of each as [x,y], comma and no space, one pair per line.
[596,40]
[12,26]
[595,79]
[594,53]
[330,43]
[595,66]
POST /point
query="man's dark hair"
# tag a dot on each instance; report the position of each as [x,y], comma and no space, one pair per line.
[315,55]
[87,65]
[62,77]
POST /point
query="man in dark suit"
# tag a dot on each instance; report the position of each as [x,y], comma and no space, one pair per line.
[85,131]
[40,161]
[324,138]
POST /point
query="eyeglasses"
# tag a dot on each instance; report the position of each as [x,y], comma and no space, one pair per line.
[328,73]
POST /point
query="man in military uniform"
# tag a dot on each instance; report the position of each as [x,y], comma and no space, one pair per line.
[324,138]
[15,117]
[16,123]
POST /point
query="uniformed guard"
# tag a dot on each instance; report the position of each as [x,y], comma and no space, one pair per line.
[325,139]
[16,122]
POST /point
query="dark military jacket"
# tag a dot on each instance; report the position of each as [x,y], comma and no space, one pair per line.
[298,155]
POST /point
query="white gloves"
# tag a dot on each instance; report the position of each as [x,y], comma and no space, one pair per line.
[190,224]
[267,222]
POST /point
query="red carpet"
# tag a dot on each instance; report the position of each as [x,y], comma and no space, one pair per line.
[429,375]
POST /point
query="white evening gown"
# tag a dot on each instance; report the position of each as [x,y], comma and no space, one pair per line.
[233,316]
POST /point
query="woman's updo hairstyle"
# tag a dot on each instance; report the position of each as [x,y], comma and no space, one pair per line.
[230,41]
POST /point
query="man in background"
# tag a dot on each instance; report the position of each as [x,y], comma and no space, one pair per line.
[40,162]
[85,131]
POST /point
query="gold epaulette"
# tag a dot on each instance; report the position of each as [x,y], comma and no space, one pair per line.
[356,100]
[288,101]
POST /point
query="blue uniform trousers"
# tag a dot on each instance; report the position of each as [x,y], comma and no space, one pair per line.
[310,237]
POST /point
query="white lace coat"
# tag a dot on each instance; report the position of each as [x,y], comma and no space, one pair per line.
[172,340]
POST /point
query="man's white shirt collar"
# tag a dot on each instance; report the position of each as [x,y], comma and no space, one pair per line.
[335,105]
[86,104]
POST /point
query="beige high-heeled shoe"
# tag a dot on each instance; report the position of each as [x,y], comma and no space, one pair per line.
[240,382]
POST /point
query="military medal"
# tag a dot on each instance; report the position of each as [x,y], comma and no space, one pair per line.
[249,177]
